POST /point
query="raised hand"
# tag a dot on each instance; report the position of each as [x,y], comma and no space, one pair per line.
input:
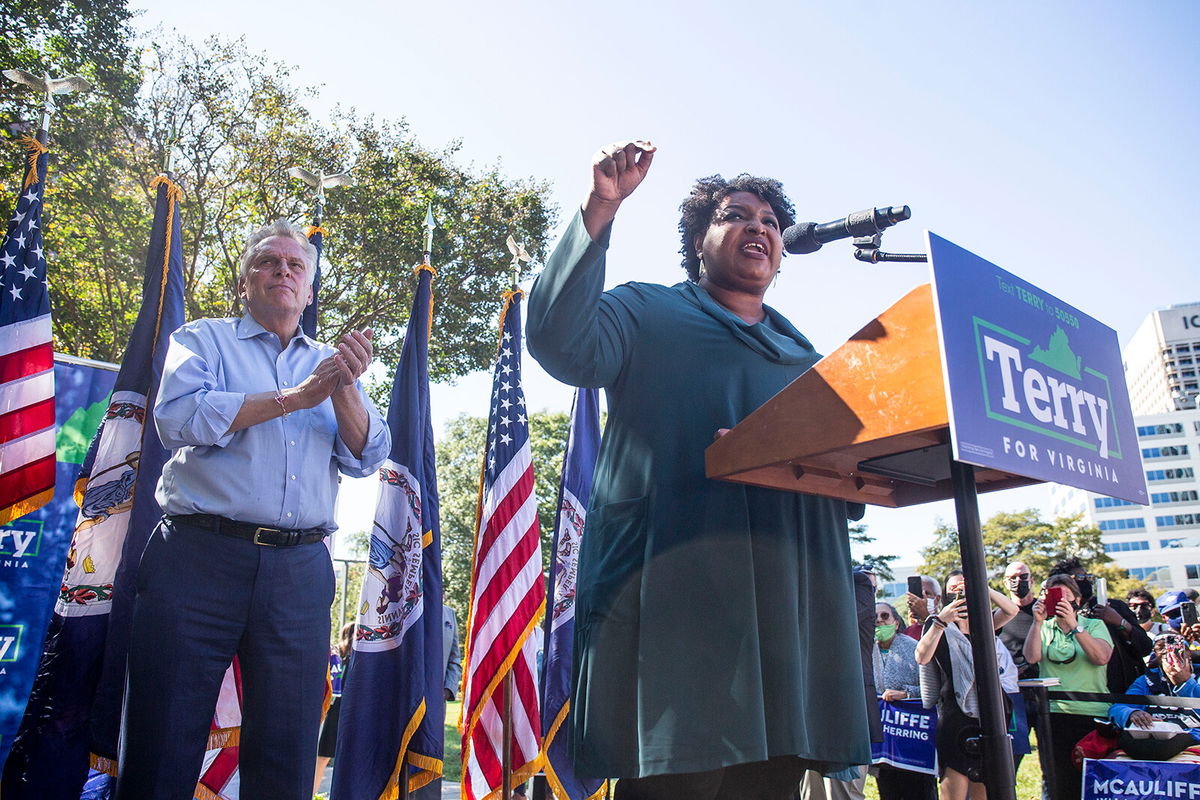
[1039,611]
[617,169]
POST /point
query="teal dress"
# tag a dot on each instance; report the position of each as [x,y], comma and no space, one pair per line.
[714,622]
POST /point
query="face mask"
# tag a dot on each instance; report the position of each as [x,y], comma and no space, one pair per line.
[1020,587]
[1143,613]
[885,633]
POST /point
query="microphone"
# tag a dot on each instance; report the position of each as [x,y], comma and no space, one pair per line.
[807,237]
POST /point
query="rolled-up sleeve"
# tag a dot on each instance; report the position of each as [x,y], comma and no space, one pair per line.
[379,444]
[192,407]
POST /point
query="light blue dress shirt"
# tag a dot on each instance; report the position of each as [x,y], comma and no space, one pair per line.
[280,473]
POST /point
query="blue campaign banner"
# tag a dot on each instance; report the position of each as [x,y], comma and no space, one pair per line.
[1145,780]
[1020,728]
[909,736]
[1035,387]
[33,548]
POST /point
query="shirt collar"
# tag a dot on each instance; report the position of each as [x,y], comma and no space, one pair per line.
[248,328]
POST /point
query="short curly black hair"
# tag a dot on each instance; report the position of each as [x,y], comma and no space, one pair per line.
[698,209]
[1067,566]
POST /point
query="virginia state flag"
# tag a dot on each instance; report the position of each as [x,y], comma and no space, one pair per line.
[393,707]
[579,463]
[82,670]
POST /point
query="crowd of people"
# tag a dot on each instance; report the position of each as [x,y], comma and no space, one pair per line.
[1065,635]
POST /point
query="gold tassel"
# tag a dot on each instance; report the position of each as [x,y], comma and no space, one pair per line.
[35,149]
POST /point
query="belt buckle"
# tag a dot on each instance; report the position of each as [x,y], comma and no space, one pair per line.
[260,542]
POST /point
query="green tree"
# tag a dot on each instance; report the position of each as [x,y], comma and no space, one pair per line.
[236,122]
[1025,536]
[459,457]
[882,565]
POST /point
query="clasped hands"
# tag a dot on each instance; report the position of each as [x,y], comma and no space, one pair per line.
[339,371]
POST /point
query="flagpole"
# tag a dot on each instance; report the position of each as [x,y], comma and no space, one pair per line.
[430,225]
[506,787]
[506,776]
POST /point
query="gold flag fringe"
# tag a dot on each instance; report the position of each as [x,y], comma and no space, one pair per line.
[35,149]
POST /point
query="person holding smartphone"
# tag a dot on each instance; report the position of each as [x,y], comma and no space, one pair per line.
[1131,644]
[948,680]
[1018,579]
[1075,650]
[1170,674]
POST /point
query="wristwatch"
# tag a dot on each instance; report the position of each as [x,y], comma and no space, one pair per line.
[1078,629]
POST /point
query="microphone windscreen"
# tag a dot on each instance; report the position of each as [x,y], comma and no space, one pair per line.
[800,239]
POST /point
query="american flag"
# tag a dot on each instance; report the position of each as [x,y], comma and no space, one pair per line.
[26,354]
[508,590]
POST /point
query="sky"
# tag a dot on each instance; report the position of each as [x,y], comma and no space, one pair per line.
[1057,140]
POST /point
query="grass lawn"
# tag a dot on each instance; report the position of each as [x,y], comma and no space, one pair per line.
[1029,776]
[452,760]
[1029,780]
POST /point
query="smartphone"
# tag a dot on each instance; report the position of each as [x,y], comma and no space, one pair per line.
[1187,612]
[914,585]
[1053,596]
[1102,591]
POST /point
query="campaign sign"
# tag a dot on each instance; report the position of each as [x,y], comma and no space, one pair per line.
[1034,386]
[33,548]
[1145,780]
[909,732]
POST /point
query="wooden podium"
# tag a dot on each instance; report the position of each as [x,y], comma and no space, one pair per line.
[868,423]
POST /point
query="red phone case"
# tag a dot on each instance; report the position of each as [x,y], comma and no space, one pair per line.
[1053,595]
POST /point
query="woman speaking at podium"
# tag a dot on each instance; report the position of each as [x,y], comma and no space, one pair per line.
[716,647]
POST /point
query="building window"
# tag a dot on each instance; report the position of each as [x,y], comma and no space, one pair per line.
[1166,429]
[1112,502]
[1179,542]
[1126,547]
[1126,524]
[1193,574]
[1177,520]
[1168,451]
[1150,574]
[1176,474]
[1186,496]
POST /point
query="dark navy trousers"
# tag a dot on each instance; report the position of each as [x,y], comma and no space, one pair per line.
[202,598]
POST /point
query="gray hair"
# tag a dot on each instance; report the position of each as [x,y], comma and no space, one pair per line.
[891,610]
[280,227]
[937,587]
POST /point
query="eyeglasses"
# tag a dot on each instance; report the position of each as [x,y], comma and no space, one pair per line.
[1074,649]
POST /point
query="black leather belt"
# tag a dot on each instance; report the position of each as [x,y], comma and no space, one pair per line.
[259,534]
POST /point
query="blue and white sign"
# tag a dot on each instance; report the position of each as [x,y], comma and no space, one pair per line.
[1035,387]
[909,737]
[1145,780]
[33,548]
